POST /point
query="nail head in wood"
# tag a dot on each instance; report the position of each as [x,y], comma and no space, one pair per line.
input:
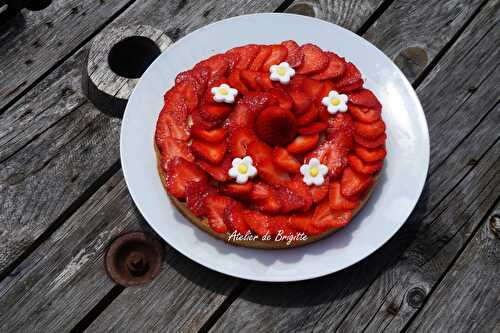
[134,258]
[116,60]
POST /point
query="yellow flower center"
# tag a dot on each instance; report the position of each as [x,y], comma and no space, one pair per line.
[242,168]
[335,101]
[314,171]
[281,71]
[223,91]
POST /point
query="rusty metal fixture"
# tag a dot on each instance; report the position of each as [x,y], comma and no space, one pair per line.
[134,258]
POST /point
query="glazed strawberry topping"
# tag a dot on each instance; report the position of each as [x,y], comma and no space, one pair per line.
[280,126]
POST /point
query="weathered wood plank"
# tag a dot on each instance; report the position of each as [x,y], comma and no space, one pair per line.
[467,300]
[34,41]
[318,305]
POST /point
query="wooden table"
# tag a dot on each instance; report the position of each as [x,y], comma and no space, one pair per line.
[63,198]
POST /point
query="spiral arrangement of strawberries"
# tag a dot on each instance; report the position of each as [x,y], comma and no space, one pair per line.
[281,127]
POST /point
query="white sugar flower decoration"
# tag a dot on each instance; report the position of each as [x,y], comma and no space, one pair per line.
[224,93]
[314,172]
[282,72]
[335,102]
[242,169]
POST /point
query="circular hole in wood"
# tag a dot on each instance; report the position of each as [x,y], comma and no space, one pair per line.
[35,5]
[131,57]
[301,9]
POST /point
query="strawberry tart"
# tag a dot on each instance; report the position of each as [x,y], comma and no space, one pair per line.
[270,146]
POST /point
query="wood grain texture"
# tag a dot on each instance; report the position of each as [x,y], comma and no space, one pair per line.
[467,299]
[34,41]
[316,306]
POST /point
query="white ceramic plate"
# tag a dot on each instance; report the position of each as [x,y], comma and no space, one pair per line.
[395,195]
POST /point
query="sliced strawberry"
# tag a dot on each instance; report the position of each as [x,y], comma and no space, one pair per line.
[198,77]
[246,53]
[200,122]
[234,218]
[284,160]
[304,223]
[350,76]
[241,117]
[260,191]
[258,222]
[276,126]
[312,88]
[173,117]
[341,123]
[270,205]
[353,183]
[239,140]
[370,155]
[217,172]
[263,159]
[264,82]
[336,67]
[366,168]
[309,116]
[333,153]
[324,218]
[295,55]
[294,196]
[315,60]
[325,90]
[214,135]
[297,82]
[179,173]
[350,87]
[211,152]
[370,131]
[234,80]
[264,52]
[366,98]
[215,206]
[236,190]
[303,144]
[318,193]
[279,225]
[364,115]
[188,90]
[258,101]
[232,59]
[284,100]
[196,192]
[313,128]
[277,56]
[370,143]
[217,64]
[171,148]
[301,101]
[249,78]
[338,201]
[215,112]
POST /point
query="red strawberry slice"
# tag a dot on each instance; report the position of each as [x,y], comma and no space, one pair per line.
[179,173]
[279,225]
[215,206]
[301,101]
[364,115]
[370,155]
[258,101]
[297,82]
[173,117]
[276,126]
[171,148]
[260,191]
[232,60]
[263,159]
[341,123]
[304,223]
[366,168]
[214,135]
[258,222]
[284,100]
[201,122]
[217,172]
[277,56]
[313,128]
[236,190]
[294,196]
[234,80]
[324,218]
[270,205]
[196,192]
[240,117]
[188,90]
[246,53]
[249,78]
[312,88]
[353,183]
[364,97]
[338,201]
[264,53]
[284,160]
[336,67]
[318,193]
[214,112]
[217,64]
[315,60]
[325,90]
[333,153]
[264,82]
[199,77]
[303,144]
[309,116]
[350,87]
[211,152]
[295,55]
[234,219]
[239,140]
[350,76]
[370,143]
[370,131]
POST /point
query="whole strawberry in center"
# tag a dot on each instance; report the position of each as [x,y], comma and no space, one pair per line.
[276,126]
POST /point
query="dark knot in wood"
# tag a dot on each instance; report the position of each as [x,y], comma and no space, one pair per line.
[412,61]
[301,8]
[416,297]
[134,258]
[494,223]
